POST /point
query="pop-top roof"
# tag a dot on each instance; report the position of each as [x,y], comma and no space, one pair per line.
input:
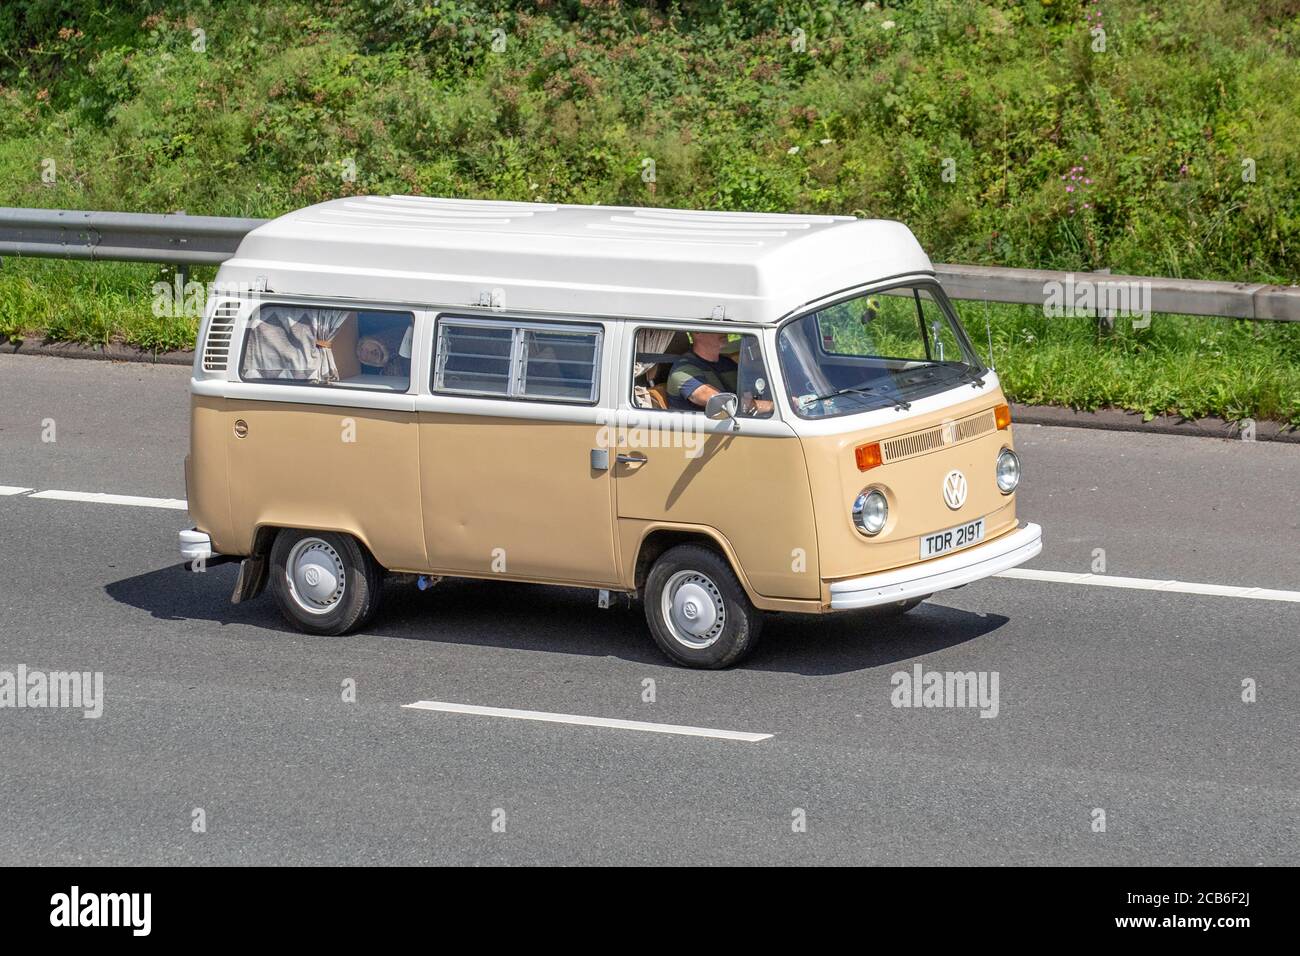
[582,260]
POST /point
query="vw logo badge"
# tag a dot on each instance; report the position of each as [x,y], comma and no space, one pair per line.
[954,489]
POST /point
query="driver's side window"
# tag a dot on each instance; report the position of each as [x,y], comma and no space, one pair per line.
[680,370]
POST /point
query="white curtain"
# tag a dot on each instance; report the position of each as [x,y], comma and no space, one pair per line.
[648,340]
[325,325]
[651,340]
[290,342]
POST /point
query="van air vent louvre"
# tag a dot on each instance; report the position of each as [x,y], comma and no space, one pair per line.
[216,349]
[940,436]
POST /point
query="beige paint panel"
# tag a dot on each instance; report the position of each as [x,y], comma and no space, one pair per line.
[752,490]
[633,532]
[295,470]
[914,487]
[206,476]
[523,488]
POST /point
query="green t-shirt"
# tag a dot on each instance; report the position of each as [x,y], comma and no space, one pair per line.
[690,372]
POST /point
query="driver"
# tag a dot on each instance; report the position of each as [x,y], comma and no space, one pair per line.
[704,372]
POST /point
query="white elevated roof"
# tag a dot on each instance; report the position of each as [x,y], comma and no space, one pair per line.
[578,260]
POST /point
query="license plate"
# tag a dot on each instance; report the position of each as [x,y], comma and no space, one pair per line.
[953,539]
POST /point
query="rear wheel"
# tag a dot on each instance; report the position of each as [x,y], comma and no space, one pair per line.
[324,582]
[698,613]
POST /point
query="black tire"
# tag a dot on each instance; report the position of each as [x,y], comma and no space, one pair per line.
[734,632]
[344,611]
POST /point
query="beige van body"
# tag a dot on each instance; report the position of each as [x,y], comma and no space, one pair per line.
[523,442]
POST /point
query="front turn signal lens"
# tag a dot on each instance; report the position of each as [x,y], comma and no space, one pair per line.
[868,456]
[1002,414]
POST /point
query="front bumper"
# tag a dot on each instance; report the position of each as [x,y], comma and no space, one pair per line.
[952,571]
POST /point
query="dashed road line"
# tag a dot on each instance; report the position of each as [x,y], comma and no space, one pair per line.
[1150,584]
[580,720]
[105,499]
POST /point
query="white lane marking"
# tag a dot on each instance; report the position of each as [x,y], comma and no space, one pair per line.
[103,499]
[1150,584]
[584,721]
[1024,574]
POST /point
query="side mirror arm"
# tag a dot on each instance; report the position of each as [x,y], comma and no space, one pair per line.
[723,405]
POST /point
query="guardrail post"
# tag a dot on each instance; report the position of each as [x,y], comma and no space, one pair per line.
[183,270]
[1105,321]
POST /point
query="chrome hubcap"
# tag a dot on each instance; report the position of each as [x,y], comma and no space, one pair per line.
[316,576]
[693,609]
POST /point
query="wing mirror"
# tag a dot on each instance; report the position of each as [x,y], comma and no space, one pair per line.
[723,405]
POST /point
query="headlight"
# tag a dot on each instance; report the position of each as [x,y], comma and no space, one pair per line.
[1008,471]
[870,512]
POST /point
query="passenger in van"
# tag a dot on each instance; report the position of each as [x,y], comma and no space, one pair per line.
[704,372]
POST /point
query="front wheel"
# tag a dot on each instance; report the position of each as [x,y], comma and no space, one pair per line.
[698,613]
[324,582]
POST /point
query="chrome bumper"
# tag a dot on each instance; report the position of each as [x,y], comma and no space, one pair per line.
[939,574]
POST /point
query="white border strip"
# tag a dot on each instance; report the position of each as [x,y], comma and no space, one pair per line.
[103,499]
[13,490]
[584,721]
[1150,584]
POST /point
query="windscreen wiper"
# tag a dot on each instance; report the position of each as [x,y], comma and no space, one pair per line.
[870,392]
[976,381]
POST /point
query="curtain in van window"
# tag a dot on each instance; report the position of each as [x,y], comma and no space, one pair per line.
[326,324]
[648,340]
[286,342]
[651,340]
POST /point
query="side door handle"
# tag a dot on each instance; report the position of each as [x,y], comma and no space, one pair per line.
[631,459]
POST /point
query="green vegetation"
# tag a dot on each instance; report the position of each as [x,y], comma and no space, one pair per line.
[1184,365]
[285,98]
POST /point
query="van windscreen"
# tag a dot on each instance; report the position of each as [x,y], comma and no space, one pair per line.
[875,351]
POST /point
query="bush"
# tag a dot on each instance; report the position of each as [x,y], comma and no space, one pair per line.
[994,130]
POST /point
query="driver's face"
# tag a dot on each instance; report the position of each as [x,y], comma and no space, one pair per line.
[709,341]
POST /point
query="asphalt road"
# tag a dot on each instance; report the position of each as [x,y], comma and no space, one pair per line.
[1121,700]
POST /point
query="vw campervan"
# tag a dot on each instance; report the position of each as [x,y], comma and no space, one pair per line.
[719,413]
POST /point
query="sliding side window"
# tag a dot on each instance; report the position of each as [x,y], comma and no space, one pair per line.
[503,359]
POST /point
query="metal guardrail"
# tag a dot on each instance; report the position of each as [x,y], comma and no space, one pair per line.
[181,240]
[171,238]
[1235,300]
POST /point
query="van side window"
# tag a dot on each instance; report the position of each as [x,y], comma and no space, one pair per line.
[473,358]
[310,345]
[679,370]
[560,365]
[517,360]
